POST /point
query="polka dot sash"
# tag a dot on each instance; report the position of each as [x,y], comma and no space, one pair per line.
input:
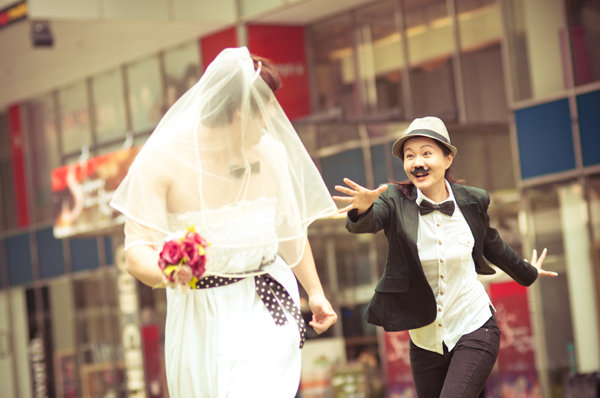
[271,292]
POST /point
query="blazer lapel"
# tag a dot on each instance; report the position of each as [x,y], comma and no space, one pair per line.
[470,210]
[410,220]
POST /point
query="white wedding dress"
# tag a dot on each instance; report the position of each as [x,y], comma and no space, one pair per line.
[222,342]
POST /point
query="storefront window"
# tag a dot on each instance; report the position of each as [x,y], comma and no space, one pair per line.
[552,306]
[182,70]
[109,106]
[535,49]
[99,346]
[484,157]
[430,50]
[145,94]
[380,60]
[74,119]
[594,204]
[584,29]
[43,144]
[332,45]
[480,33]
[9,216]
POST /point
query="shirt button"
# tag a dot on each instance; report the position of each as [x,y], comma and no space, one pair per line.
[439,242]
[439,310]
[442,293]
[438,224]
[441,276]
[439,324]
[441,260]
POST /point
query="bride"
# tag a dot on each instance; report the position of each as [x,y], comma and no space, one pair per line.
[226,160]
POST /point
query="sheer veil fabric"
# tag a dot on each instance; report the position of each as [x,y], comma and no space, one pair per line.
[225,144]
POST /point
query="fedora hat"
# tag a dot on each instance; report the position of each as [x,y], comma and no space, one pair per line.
[428,126]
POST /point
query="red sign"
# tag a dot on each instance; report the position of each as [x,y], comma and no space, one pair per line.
[212,45]
[515,374]
[398,374]
[17,142]
[83,191]
[285,46]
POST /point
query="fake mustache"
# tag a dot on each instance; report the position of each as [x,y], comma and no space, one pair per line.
[419,170]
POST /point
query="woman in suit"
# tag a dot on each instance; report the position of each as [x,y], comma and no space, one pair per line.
[438,235]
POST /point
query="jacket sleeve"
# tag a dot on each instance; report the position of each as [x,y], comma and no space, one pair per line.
[373,220]
[503,256]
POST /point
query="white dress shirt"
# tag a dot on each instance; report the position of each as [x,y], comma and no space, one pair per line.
[445,245]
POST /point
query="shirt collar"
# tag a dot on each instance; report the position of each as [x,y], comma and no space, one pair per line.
[421,196]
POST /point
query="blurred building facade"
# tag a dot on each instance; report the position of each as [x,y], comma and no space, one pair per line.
[516,81]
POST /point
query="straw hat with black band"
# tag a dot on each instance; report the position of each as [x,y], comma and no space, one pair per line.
[428,126]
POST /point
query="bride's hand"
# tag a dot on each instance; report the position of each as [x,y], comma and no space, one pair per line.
[360,198]
[323,314]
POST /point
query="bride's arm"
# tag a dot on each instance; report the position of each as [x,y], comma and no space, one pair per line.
[323,314]
[142,259]
[142,264]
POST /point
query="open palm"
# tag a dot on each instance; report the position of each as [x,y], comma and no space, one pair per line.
[359,197]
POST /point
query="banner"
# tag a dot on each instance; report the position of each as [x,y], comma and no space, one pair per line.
[17,151]
[81,193]
[515,373]
[398,375]
[285,47]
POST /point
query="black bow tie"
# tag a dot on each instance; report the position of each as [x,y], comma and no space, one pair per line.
[239,171]
[427,207]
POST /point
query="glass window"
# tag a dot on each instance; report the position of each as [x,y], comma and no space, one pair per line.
[584,28]
[8,216]
[109,106]
[594,198]
[99,345]
[74,118]
[548,231]
[182,70]
[480,34]
[340,134]
[380,59]
[145,94]
[534,43]
[430,50]
[332,46]
[484,157]
[43,144]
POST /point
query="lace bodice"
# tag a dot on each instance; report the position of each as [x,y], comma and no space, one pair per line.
[241,237]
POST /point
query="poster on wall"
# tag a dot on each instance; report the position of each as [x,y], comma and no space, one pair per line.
[515,373]
[81,193]
[398,375]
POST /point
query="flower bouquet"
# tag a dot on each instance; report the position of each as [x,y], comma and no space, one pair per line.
[183,261]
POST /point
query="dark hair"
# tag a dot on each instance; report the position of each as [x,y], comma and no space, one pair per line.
[268,72]
[231,99]
[406,186]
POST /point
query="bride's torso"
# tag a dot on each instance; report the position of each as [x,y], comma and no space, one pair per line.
[241,236]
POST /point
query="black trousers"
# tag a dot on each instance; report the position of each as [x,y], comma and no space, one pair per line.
[460,373]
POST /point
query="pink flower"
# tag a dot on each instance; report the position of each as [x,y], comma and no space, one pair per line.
[195,237]
[171,253]
[190,252]
[183,274]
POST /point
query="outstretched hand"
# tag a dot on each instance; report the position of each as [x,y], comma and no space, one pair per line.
[537,263]
[323,314]
[359,197]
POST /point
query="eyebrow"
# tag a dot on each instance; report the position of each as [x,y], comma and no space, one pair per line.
[421,147]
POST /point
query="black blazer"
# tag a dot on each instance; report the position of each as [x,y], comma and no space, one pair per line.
[403,298]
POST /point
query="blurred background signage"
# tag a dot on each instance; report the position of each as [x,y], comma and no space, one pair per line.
[10,13]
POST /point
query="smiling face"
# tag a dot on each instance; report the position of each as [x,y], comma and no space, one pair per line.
[425,164]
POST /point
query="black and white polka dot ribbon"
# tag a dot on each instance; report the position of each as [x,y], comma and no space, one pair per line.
[271,292]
